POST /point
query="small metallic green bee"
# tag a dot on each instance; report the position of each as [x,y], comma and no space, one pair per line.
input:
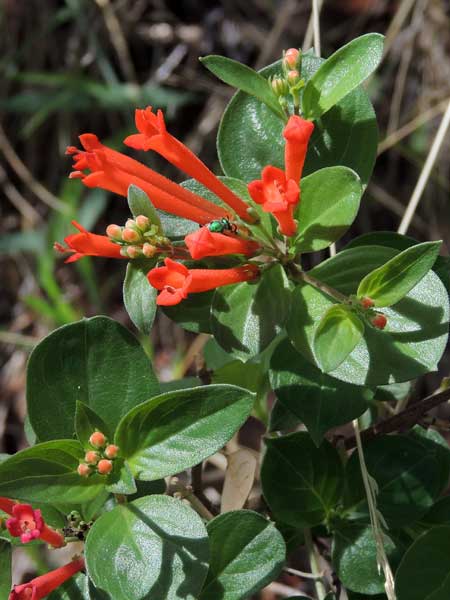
[221,225]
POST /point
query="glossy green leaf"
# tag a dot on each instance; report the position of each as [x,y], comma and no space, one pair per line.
[96,361]
[410,345]
[424,572]
[177,430]
[76,588]
[5,569]
[347,135]
[247,553]
[154,548]
[439,514]
[47,473]
[121,480]
[318,400]
[194,313]
[246,317]
[140,204]
[389,283]
[336,335]
[329,204]
[301,483]
[434,443]
[341,73]
[86,422]
[243,78]
[354,557]
[408,476]
[139,297]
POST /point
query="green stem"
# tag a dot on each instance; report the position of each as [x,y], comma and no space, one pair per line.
[321,591]
[298,274]
[185,491]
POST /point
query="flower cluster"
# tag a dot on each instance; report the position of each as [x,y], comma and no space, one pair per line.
[232,227]
[100,459]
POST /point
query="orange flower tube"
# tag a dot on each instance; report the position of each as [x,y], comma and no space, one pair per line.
[86,243]
[296,133]
[153,135]
[42,586]
[204,242]
[175,281]
[28,524]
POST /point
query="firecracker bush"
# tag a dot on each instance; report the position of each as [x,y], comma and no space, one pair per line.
[115,458]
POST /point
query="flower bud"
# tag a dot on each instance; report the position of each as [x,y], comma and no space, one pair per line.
[130,235]
[367,302]
[114,232]
[97,439]
[142,222]
[148,250]
[104,467]
[131,223]
[133,251]
[91,457]
[379,321]
[279,86]
[290,58]
[111,451]
[293,77]
[83,470]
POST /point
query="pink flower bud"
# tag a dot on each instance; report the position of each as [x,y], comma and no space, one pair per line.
[131,223]
[367,302]
[111,451]
[148,250]
[133,251]
[291,57]
[104,466]
[379,321]
[142,222]
[293,77]
[97,439]
[130,236]
[91,457]
[83,470]
[114,232]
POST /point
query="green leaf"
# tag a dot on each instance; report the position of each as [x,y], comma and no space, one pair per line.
[140,204]
[154,548]
[121,480]
[179,429]
[434,443]
[76,588]
[86,422]
[247,553]
[246,317]
[5,569]
[337,334]
[244,78]
[96,361]
[424,572]
[329,204]
[410,345]
[301,483]
[354,557]
[408,476]
[194,313]
[341,73]
[391,282]
[321,402]
[47,473]
[139,297]
[347,135]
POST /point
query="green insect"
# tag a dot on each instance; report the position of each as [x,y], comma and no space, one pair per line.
[221,225]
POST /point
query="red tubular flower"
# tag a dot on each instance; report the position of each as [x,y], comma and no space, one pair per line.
[28,524]
[7,505]
[296,133]
[278,195]
[153,135]
[207,243]
[115,172]
[42,586]
[177,281]
[88,244]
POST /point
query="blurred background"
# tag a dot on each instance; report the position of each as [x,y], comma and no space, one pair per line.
[74,66]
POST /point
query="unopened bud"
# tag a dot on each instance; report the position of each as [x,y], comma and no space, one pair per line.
[134,251]
[130,235]
[379,321]
[290,58]
[148,250]
[83,470]
[91,457]
[97,439]
[279,86]
[104,467]
[367,302]
[111,451]
[131,223]
[114,232]
[293,77]
[142,222]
